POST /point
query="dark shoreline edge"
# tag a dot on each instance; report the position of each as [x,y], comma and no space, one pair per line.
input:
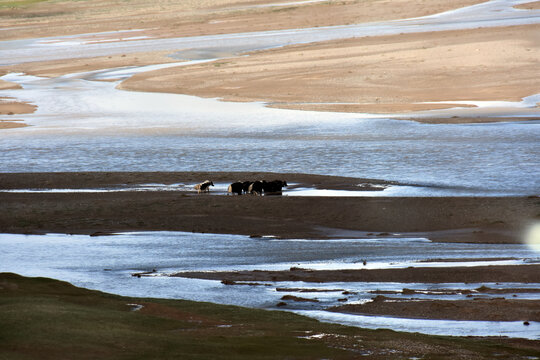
[85,179]
[444,219]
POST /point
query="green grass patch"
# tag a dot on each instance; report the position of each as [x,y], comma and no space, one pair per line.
[18,3]
[49,319]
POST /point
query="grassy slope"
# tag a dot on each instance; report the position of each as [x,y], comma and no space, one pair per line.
[48,319]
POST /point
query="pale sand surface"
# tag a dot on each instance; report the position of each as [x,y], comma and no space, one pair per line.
[10,106]
[386,74]
[6,85]
[534,5]
[5,124]
[164,18]
[476,307]
[376,74]
[62,67]
[435,275]
[442,219]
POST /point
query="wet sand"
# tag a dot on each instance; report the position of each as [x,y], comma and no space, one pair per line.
[448,219]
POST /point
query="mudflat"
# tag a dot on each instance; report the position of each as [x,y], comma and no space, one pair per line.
[457,219]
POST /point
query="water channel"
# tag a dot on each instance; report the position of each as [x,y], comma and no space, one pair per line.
[107,263]
[82,124]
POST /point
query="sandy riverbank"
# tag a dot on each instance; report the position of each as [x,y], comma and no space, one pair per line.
[164,18]
[365,75]
[368,75]
[466,219]
[479,309]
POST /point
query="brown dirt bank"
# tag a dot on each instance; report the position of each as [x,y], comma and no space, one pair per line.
[368,74]
[442,219]
[477,274]
[478,309]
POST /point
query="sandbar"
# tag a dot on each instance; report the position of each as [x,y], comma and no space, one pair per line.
[382,74]
[445,219]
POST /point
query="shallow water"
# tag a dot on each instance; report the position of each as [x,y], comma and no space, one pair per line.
[438,327]
[106,263]
[86,125]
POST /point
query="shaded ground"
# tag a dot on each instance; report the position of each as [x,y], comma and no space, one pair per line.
[467,219]
[51,319]
[477,309]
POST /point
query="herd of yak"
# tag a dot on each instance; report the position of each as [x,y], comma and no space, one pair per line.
[258,187]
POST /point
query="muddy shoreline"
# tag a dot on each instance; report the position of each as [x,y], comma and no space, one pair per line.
[479,309]
[455,219]
[477,274]
[482,303]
